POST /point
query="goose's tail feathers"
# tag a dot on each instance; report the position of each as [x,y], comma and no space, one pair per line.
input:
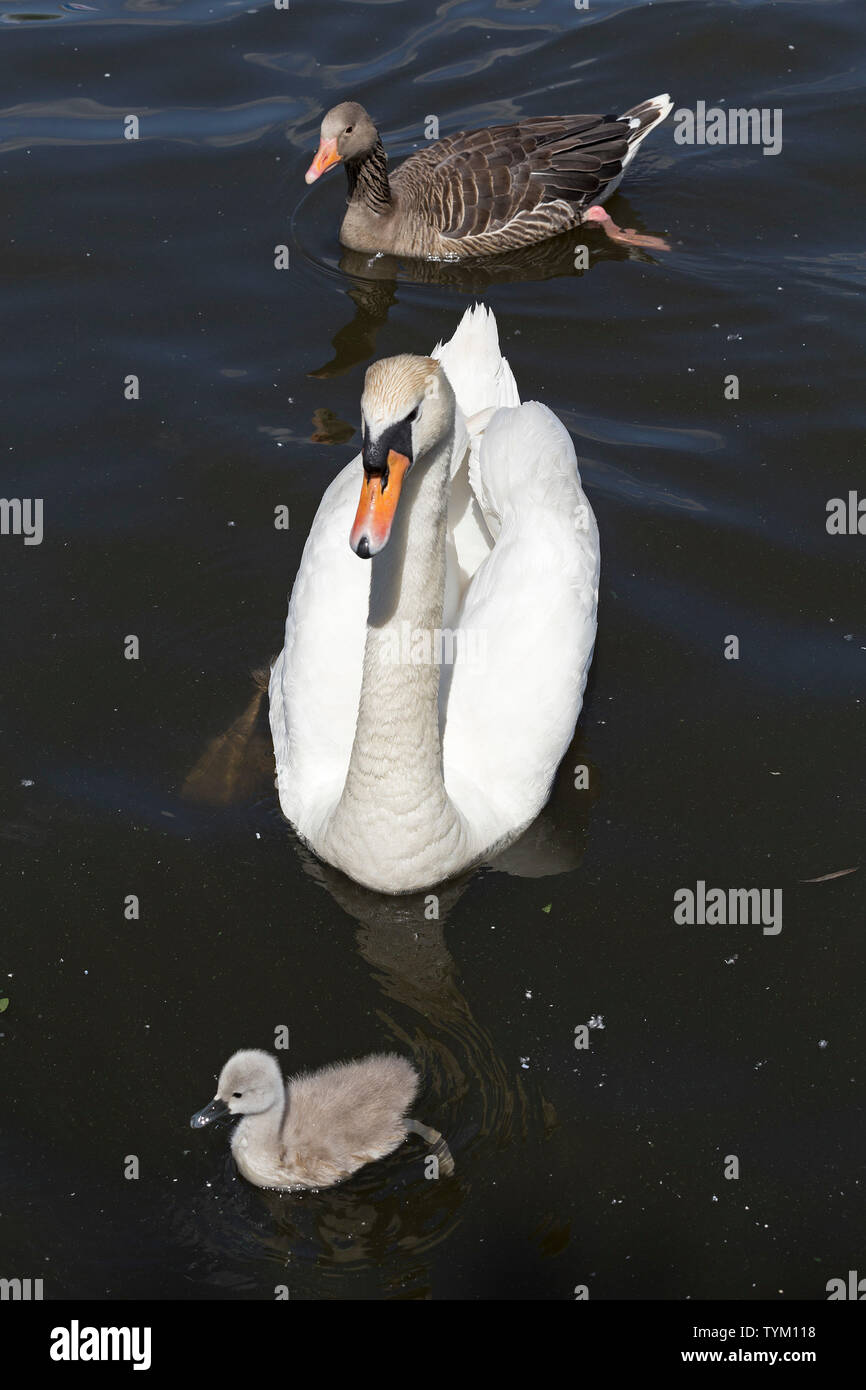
[647,115]
[643,119]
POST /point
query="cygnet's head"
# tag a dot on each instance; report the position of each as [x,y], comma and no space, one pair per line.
[347,134]
[250,1083]
[407,407]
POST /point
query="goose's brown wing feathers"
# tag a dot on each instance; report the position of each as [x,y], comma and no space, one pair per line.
[477,182]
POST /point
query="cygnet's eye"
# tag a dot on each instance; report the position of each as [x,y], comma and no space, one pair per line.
[349,129]
[236,1095]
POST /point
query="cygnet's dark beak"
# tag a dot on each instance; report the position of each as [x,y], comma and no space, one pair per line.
[217,1110]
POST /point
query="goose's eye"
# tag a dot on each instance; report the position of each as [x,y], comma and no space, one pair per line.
[236,1095]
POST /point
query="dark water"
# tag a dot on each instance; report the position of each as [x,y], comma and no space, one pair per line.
[601,1167]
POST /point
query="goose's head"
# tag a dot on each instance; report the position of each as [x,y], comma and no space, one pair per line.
[347,134]
[406,409]
[250,1083]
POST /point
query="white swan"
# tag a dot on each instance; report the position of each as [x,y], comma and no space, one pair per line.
[477,526]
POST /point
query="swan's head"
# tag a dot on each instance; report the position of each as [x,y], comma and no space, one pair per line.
[250,1083]
[407,408]
[347,133]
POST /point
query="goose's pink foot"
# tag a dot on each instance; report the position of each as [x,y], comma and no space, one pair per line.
[626,237]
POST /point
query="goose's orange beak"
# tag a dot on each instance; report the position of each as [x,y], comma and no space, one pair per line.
[326,155]
[380,493]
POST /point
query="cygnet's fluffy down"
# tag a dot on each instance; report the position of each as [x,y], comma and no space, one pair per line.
[319,1127]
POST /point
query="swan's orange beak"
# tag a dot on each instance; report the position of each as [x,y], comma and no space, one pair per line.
[380,493]
[326,155]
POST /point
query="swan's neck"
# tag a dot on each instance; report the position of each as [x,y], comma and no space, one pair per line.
[260,1131]
[368,179]
[394,806]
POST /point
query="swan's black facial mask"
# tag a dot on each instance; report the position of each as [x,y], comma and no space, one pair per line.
[374,452]
[386,459]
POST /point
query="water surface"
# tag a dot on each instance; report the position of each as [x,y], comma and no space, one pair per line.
[155,257]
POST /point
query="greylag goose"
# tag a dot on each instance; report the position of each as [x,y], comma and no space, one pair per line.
[320,1127]
[484,191]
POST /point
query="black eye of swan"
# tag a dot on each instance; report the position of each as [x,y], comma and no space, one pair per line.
[237,1095]
[349,129]
[414,416]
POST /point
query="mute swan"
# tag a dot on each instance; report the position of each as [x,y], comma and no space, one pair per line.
[483,545]
[321,1127]
[485,191]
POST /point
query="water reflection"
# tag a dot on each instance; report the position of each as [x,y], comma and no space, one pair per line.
[373,281]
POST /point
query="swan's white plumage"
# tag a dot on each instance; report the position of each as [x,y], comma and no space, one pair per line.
[316,681]
[522,568]
[534,597]
[482,381]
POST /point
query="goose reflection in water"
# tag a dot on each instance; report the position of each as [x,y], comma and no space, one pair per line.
[374,280]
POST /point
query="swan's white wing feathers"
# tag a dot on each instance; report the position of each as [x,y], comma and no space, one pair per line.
[315,684]
[527,626]
[482,381]
[473,363]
